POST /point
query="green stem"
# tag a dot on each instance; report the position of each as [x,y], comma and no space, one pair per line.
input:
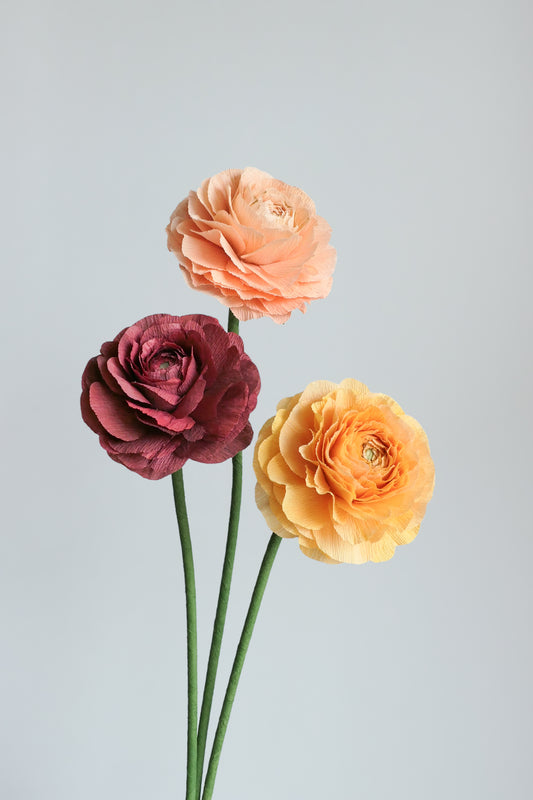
[220,617]
[223,599]
[233,322]
[253,610]
[192,647]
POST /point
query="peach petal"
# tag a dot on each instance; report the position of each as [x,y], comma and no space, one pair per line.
[196,217]
[221,187]
[203,196]
[219,233]
[270,254]
[279,258]
[201,252]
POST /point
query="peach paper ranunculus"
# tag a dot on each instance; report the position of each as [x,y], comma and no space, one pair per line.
[344,470]
[254,242]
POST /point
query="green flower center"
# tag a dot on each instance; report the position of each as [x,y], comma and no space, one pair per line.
[369,454]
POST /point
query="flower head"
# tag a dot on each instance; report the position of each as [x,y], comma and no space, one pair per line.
[168,389]
[254,242]
[344,470]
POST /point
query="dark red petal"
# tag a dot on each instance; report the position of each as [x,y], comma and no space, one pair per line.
[91,373]
[162,419]
[121,378]
[198,408]
[113,413]
[213,452]
[87,414]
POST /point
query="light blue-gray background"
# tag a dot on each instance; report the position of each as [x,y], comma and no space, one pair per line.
[410,124]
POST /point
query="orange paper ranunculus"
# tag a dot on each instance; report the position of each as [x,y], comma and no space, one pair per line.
[254,242]
[345,470]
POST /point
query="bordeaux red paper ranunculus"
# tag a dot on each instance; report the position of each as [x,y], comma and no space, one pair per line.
[167,389]
[255,243]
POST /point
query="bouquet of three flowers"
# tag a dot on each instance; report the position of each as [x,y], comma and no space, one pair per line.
[342,469]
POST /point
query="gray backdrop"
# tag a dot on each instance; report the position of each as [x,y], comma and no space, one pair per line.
[410,125]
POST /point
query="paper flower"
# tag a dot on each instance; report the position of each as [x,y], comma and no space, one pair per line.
[168,389]
[344,470]
[254,242]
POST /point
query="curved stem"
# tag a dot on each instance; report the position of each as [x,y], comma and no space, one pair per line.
[192,647]
[220,617]
[253,610]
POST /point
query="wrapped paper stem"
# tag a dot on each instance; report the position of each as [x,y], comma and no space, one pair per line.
[223,598]
[192,646]
[242,649]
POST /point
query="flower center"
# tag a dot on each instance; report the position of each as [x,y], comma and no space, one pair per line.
[369,454]
[275,210]
[166,359]
[375,452]
[278,210]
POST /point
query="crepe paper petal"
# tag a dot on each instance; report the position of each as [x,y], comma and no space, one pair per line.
[344,469]
[254,242]
[167,389]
